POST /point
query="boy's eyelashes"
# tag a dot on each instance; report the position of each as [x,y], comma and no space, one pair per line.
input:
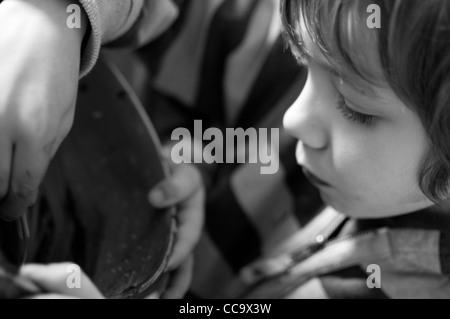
[303,58]
[352,115]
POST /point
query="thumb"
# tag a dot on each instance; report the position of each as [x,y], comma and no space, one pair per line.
[176,189]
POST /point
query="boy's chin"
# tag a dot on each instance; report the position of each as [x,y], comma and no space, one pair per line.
[363,210]
[352,209]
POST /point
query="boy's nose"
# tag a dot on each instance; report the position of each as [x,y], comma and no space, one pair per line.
[303,121]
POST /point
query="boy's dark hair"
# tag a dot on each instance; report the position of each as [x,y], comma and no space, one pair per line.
[413,46]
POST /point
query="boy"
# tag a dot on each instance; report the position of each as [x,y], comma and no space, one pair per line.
[373,125]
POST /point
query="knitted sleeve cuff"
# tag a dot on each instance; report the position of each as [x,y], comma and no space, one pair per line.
[109,19]
[116,19]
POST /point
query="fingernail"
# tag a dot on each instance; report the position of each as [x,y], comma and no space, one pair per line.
[157,197]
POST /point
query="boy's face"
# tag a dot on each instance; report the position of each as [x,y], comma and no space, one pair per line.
[365,146]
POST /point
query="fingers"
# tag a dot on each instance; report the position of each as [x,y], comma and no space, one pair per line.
[184,182]
[62,279]
[180,281]
[185,189]
[153,296]
[28,163]
[190,222]
[28,169]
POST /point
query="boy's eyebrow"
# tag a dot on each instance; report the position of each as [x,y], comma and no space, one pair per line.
[361,86]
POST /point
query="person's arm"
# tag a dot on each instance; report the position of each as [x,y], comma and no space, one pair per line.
[39,72]
[41,61]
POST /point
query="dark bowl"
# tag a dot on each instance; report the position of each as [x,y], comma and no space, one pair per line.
[93,209]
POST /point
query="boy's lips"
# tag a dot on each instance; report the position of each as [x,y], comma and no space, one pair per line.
[314,179]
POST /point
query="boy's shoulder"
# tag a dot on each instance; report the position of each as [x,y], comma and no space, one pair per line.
[404,253]
[410,252]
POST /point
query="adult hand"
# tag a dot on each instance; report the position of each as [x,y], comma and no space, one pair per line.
[39,71]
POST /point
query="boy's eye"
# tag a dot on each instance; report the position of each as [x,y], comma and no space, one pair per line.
[353,115]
